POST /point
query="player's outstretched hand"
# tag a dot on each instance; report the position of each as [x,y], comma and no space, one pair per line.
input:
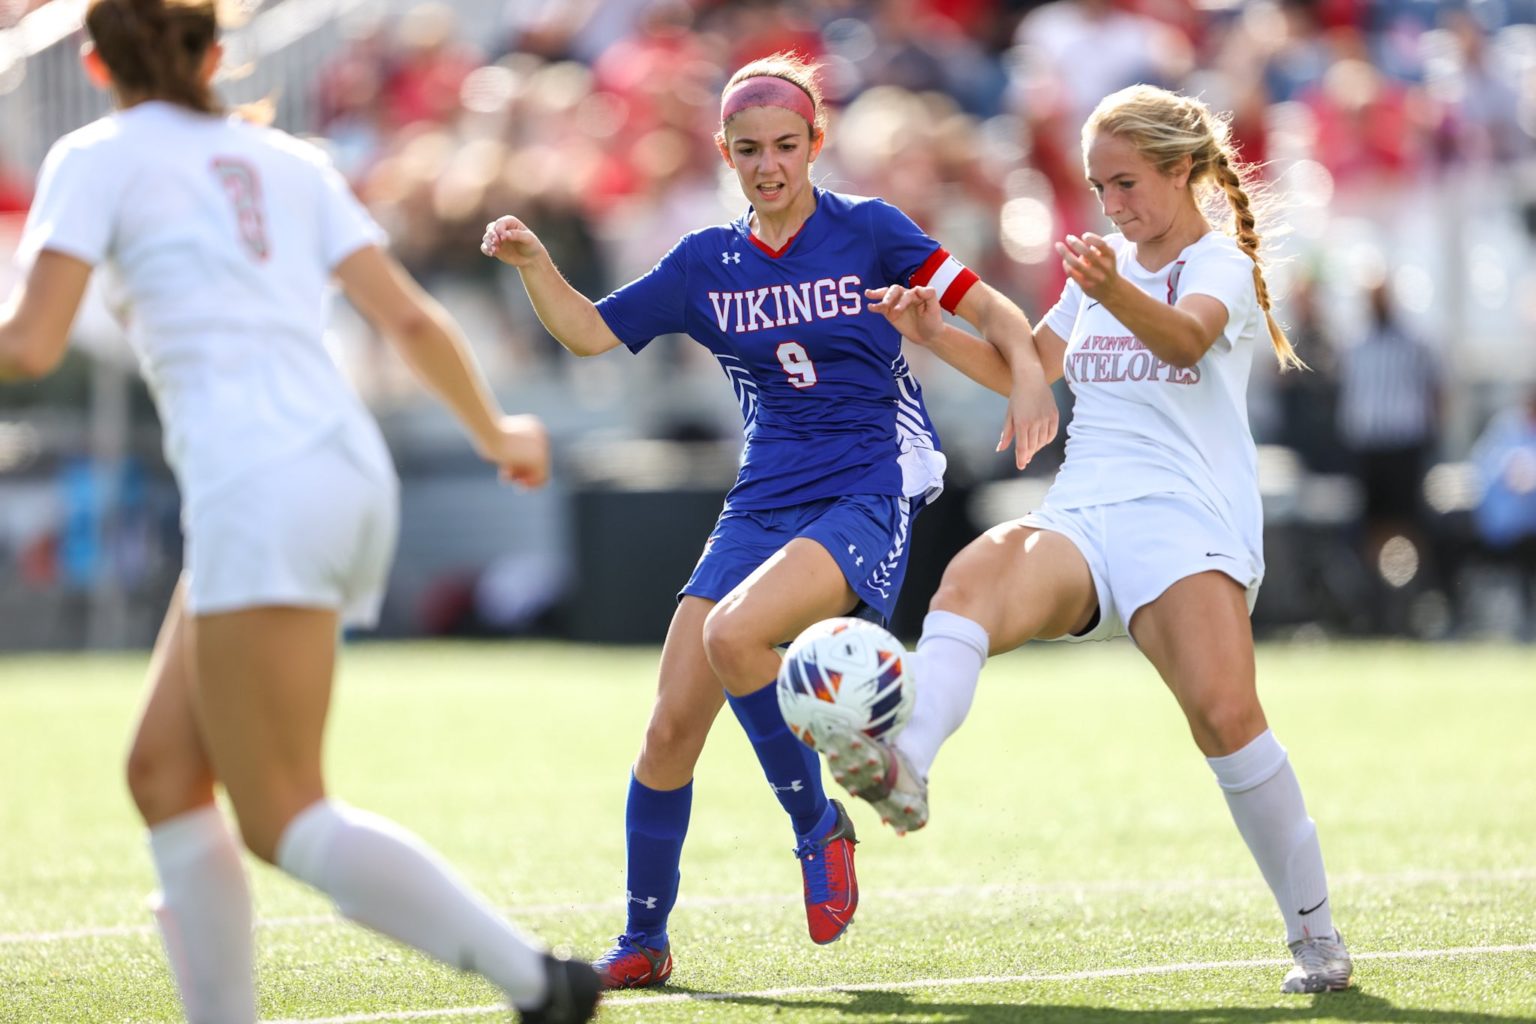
[520,448]
[1091,263]
[912,311]
[1031,424]
[509,240]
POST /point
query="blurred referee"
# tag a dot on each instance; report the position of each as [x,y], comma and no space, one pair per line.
[1390,404]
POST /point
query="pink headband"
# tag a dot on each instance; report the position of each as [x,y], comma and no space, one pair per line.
[766,91]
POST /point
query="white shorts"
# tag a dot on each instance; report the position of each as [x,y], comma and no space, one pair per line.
[312,530]
[1137,549]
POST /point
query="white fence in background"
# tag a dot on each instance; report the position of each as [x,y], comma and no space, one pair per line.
[44,93]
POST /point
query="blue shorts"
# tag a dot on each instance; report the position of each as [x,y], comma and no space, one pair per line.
[866,534]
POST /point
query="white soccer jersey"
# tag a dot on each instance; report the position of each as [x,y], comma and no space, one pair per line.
[1141,426]
[222,236]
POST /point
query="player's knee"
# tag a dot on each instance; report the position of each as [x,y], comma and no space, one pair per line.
[729,641]
[1225,725]
[962,591]
[164,783]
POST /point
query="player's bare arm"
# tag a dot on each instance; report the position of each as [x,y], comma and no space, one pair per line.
[569,316]
[916,313]
[1032,416]
[35,321]
[1179,335]
[430,342]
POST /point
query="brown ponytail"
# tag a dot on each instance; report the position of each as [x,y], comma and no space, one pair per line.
[1166,127]
[155,49]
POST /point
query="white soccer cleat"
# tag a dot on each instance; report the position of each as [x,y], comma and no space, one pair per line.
[1322,965]
[878,773]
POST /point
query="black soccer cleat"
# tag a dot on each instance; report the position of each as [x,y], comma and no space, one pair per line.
[574,989]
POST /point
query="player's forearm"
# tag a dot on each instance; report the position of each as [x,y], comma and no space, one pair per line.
[440,357]
[1007,329]
[21,357]
[1170,333]
[11,349]
[569,316]
[975,357]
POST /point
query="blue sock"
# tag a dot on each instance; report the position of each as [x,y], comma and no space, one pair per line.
[792,768]
[655,822]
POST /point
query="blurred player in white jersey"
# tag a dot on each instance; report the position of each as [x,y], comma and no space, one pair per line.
[839,456]
[1153,526]
[224,236]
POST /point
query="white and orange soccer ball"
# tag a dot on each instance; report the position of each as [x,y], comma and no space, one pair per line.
[845,675]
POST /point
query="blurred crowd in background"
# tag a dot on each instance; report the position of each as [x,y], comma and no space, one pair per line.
[1398,141]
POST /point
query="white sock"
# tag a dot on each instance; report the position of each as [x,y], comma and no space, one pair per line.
[204,912]
[1266,803]
[381,876]
[946,665]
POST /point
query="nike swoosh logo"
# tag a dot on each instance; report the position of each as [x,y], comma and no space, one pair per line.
[1092,304]
[1309,910]
[1217,554]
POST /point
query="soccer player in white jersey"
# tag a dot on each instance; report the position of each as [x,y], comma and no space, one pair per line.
[839,457]
[224,236]
[1153,525]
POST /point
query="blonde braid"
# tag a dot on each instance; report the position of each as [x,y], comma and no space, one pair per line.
[1166,128]
[1248,240]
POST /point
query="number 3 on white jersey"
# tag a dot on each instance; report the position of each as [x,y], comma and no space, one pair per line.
[797,364]
[243,186]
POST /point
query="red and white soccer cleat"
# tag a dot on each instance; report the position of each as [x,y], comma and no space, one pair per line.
[831,887]
[632,965]
[879,773]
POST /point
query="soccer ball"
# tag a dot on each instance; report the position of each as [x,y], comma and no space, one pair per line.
[845,674]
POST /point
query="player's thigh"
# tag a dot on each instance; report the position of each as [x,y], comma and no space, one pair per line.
[688,698]
[168,770]
[1198,636]
[1019,583]
[796,586]
[264,687]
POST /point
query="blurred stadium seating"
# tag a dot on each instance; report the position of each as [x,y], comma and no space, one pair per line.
[1398,138]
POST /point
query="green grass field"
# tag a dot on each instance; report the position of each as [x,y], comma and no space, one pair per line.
[1080,865]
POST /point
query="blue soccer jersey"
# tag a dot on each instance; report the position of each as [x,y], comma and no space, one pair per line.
[829,405]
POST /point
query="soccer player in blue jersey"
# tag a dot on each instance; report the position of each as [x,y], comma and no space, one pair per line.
[839,457]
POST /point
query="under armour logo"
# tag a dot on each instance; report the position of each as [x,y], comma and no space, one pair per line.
[793,787]
[730,257]
[649,903]
[858,559]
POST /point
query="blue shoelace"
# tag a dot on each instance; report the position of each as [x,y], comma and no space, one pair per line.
[624,945]
[814,863]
